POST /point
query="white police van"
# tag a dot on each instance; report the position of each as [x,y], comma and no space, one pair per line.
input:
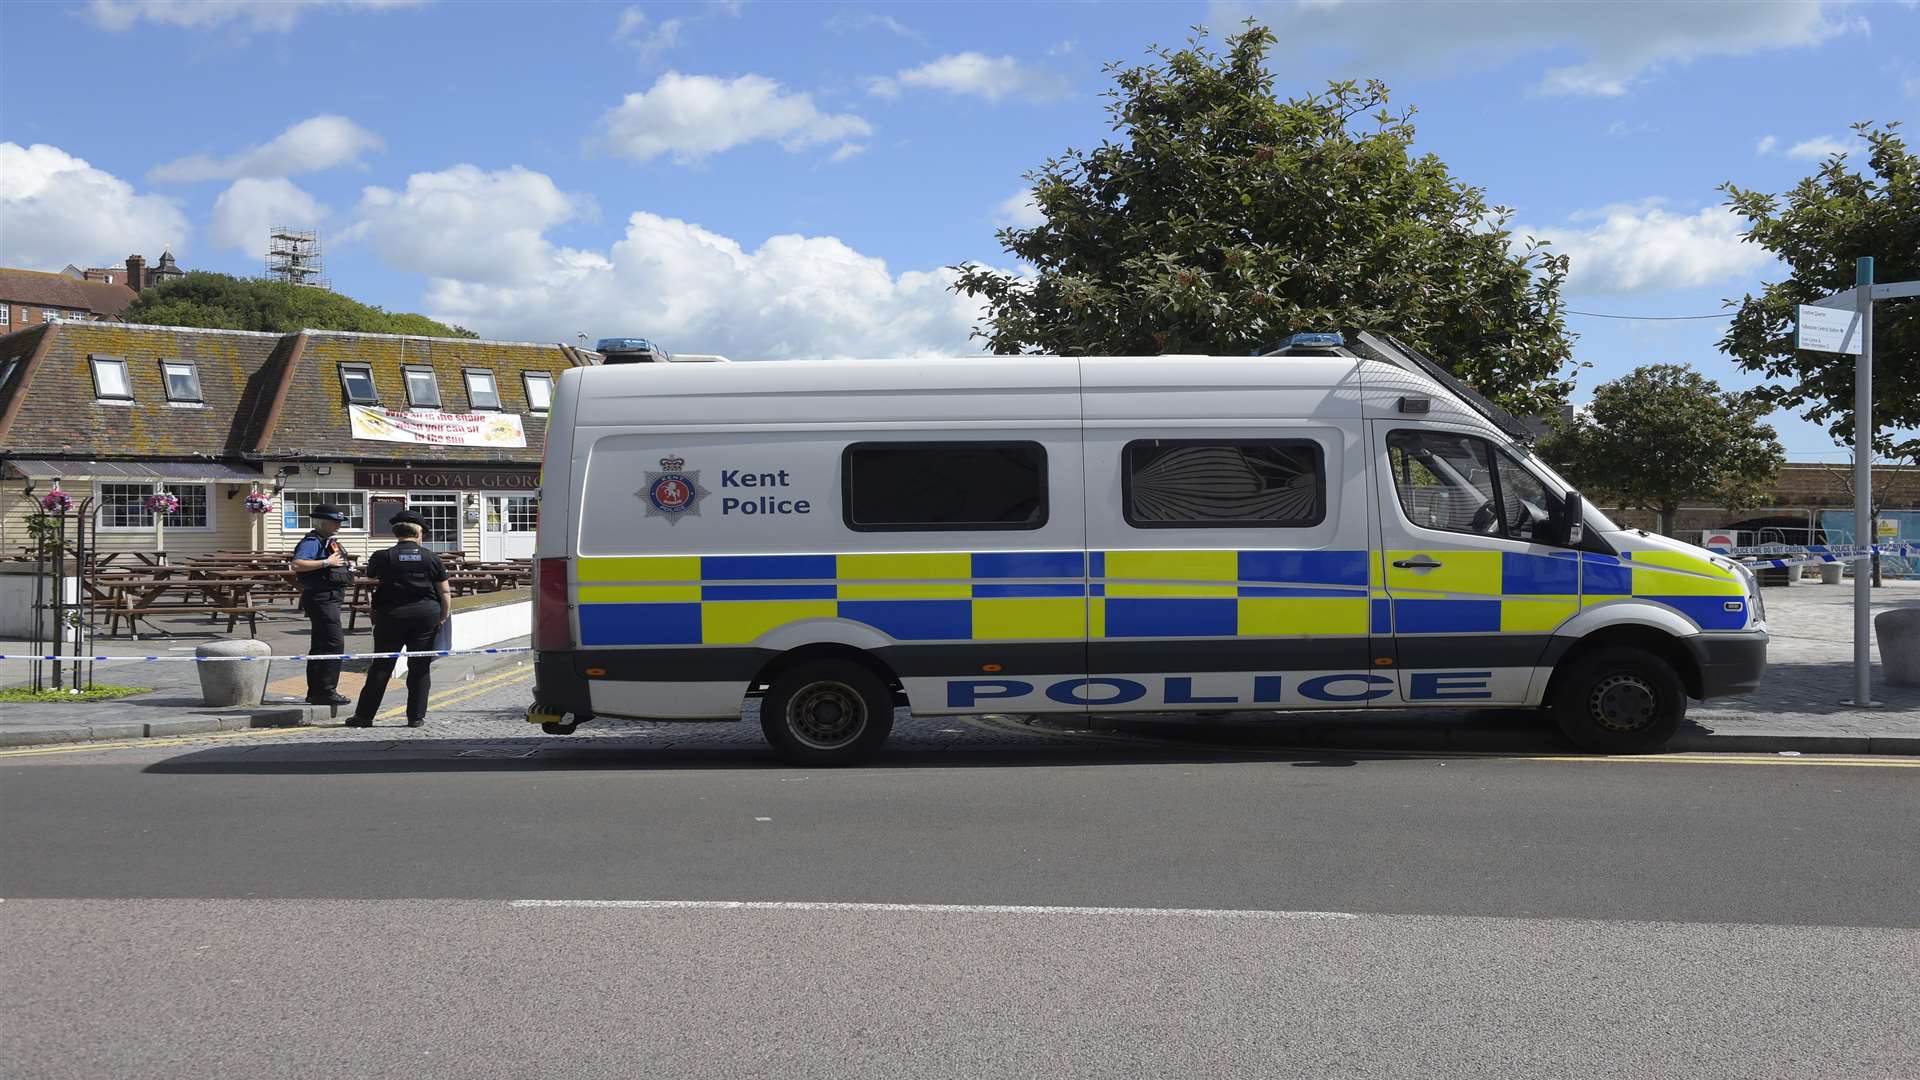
[1338,525]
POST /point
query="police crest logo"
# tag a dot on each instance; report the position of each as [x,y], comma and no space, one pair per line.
[672,492]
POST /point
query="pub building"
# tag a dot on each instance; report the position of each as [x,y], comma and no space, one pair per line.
[450,428]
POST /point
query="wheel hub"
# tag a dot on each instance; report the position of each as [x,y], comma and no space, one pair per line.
[1623,703]
[826,715]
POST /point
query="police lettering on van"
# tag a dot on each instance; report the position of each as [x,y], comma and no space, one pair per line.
[1336,526]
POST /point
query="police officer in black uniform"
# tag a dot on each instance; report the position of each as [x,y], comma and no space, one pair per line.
[321,567]
[411,601]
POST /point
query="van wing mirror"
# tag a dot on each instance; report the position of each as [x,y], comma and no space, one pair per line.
[1573,519]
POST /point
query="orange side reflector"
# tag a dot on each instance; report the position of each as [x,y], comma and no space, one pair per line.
[596,672]
[989,667]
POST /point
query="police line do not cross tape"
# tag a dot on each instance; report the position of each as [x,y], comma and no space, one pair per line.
[269,658]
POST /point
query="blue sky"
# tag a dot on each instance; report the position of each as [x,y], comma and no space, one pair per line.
[777,179]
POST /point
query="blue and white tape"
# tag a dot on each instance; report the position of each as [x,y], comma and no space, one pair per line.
[1782,556]
[269,659]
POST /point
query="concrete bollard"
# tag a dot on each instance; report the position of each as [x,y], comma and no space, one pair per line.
[1898,632]
[1831,573]
[233,682]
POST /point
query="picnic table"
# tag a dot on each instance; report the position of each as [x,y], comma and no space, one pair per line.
[135,598]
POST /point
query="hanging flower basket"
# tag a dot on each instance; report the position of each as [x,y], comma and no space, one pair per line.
[56,502]
[163,502]
[258,502]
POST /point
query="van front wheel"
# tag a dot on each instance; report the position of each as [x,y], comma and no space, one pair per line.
[827,712]
[1619,701]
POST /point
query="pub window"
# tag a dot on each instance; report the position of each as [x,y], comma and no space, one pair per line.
[944,486]
[110,379]
[423,390]
[6,314]
[539,390]
[481,392]
[124,506]
[1223,483]
[182,379]
[358,381]
[296,505]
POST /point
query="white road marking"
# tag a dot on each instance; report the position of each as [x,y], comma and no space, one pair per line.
[934,909]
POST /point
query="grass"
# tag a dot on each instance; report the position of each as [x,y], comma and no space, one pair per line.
[99,692]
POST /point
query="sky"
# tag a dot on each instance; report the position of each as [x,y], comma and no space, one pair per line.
[768,180]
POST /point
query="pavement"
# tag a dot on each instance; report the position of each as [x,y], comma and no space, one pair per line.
[985,900]
[1797,708]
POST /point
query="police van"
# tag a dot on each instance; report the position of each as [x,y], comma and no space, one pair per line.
[1339,525]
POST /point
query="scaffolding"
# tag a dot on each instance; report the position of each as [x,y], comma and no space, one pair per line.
[293,256]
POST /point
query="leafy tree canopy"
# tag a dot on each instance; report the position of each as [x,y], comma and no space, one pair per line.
[223,302]
[1827,221]
[1664,435]
[1223,219]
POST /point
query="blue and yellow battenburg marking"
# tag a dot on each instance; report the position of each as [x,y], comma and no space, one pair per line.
[1128,595]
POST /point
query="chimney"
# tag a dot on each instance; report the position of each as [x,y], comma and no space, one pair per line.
[136,272]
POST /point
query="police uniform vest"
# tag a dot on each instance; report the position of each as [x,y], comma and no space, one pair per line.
[326,577]
[406,575]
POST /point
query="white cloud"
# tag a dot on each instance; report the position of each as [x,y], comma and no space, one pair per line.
[845,23]
[275,16]
[847,152]
[693,116]
[249,207]
[1633,247]
[468,224]
[633,29]
[1765,146]
[793,296]
[312,145]
[1616,45]
[1019,211]
[1822,146]
[56,209]
[991,78]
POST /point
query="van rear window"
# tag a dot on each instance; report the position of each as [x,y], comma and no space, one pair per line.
[1223,483]
[944,486]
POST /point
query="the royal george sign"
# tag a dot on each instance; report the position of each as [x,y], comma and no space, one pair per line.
[446,479]
[437,428]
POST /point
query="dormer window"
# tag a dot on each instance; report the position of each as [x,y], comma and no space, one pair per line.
[423,390]
[110,379]
[539,390]
[358,381]
[481,391]
[182,379]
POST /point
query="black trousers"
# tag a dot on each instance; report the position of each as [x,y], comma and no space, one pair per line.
[322,608]
[411,627]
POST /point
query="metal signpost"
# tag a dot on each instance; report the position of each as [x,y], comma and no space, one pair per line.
[1843,323]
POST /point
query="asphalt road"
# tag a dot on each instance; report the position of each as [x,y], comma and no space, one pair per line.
[984,901]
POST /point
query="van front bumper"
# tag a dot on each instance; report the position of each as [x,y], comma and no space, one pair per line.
[1729,663]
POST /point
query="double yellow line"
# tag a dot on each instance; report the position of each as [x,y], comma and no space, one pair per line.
[466,692]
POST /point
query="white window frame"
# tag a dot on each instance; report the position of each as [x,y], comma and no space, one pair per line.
[493,389]
[151,486]
[96,363]
[347,387]
[408,372]
[454,499]
[354,502]
[6,314]
[527,379]
[193,372]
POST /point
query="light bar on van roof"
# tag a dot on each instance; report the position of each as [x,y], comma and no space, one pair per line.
[1332,340]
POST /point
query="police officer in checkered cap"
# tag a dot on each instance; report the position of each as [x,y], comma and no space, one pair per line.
[320,565]
[411,604]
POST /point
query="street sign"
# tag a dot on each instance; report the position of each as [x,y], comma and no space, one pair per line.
[1824,329]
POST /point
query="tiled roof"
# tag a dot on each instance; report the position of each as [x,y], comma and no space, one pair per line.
[266,395]
[61,291]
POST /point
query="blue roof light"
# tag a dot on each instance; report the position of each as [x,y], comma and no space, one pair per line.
[1313,341]
[625,344]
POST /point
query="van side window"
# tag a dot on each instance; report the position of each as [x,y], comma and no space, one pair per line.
[1223,483]
[944,486]
[1459,483]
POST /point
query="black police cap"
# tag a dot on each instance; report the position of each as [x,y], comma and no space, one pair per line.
[408,517]
[328,511]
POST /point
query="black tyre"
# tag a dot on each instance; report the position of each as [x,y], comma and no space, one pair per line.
[1619,700]
[827,712]
[558,729]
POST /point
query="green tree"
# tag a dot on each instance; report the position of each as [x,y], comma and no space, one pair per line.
[223,302]
[1827,221]
[1224,219]
[1664,435]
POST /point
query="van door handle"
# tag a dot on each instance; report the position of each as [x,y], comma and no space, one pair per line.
[1416,564]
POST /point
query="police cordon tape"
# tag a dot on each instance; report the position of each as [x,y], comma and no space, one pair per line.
[268,659]
[1781,557]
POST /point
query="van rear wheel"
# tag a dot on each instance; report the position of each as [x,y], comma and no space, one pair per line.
[1619,701]
[827,712]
